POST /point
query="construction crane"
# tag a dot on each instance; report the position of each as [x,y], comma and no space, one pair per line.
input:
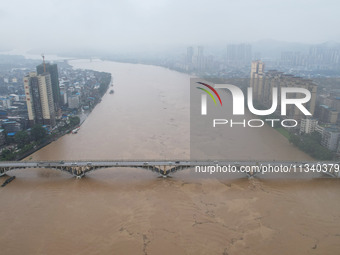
[43,57]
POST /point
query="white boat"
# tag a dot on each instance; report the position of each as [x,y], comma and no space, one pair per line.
[75,131]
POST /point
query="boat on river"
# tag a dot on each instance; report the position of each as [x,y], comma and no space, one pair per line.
[75,131]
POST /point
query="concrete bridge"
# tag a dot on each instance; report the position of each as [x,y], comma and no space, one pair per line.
[79,168]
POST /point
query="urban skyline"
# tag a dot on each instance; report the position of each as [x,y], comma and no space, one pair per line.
[102,101]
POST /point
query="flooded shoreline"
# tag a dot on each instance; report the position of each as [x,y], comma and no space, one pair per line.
[131,211]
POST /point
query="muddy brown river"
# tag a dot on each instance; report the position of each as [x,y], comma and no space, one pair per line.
[133,211]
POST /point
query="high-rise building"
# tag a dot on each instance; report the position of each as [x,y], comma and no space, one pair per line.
[200,51]
[200,63]
[63,95]
[330,138]
[196,62]
[327,114]
[52,69]
[39,99]
[257,68]
[308,125]
[264,82]
[239,54]
[256,78]
[73,102]
[190,54]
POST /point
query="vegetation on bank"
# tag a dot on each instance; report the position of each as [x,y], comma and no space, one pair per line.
[310,143]
[283,132]
[28,140]
[24,141]
[70,124]
[104,80]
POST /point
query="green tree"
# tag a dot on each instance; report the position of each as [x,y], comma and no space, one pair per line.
[7,155]
[294,139]
[103,88]
[38,133]
[310,143]
[316,136]
[74,121]
[21,138]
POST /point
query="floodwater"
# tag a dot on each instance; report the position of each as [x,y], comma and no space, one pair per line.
[132,211]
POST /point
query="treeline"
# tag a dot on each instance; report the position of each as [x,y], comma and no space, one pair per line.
[310,143]
[72,122]
[104,80]
[25,140]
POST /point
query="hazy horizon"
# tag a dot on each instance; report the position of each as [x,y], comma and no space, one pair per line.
[123,26]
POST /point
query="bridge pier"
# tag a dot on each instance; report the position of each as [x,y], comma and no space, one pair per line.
[3,171]
[335,174]
[251,174]
[79,175]
[164,172]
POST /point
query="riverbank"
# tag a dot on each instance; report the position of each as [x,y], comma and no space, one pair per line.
[121,210]
[23,144]
[42,145]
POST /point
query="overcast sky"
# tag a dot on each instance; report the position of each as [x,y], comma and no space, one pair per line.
[130,24]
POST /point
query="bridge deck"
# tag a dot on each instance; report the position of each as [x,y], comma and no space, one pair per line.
[79,168]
